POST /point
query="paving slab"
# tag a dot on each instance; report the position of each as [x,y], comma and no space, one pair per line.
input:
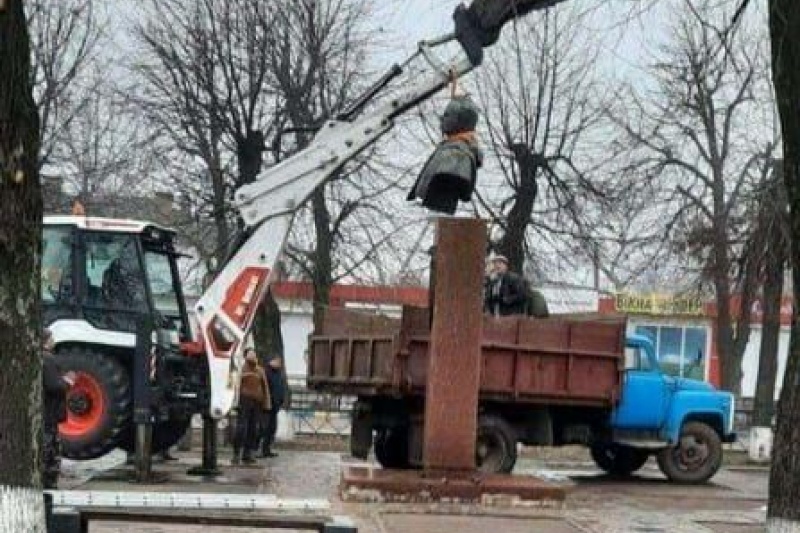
[405,523]
[723,527]
[733,503]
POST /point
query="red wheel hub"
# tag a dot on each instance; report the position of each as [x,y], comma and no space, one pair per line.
[86,404]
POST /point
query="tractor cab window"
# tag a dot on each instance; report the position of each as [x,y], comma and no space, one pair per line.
[56,280]
[162,285]
[114,274]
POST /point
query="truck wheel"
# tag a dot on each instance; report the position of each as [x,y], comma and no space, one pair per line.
[391,448]
[360,436]
[98,405]
[618,460]
[696,458]
[496,446]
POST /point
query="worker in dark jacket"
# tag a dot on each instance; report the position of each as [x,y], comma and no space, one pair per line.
[537,304]
[55,385]
[505,292]
[254,401]
[277,391]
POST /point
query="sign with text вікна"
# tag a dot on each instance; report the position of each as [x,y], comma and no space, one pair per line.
[659,304]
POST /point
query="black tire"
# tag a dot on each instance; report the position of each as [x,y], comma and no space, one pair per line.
[391,448]
[618,460]
[496,446]
[361,438]
[93,427]
[696,458]
[165,435]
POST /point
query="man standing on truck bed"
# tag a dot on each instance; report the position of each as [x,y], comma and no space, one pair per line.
[507,293]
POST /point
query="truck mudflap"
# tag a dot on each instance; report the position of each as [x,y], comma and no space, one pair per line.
[729,438]
[361,430]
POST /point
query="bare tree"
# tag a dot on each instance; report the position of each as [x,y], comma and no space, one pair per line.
[192,72]
[540,96]
[64,40]
[319,65]
[240,88]
[106,155]
[783,513]
[21,502]
[774,229]
[698,135]
[209,88]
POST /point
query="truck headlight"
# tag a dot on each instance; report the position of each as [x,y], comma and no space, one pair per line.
[732,413]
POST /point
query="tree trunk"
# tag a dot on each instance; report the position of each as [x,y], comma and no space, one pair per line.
[21,502]
[220,217]
[512,244]
[733,332]
[323,262]
[764,406]
[219,199]
[749,285]
[266,331]
[783,513]
[730,365]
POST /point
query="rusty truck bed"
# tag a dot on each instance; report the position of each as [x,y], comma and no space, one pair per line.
[560,360]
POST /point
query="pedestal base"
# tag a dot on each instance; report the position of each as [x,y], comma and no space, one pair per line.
[373,484]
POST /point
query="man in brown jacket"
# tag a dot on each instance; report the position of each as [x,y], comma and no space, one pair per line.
[254,400]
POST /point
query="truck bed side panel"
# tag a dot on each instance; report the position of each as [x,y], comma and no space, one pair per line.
[557,360]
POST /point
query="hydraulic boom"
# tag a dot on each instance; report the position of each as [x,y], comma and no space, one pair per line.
[268,206]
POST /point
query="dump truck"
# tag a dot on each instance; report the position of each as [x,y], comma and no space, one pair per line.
[544,382]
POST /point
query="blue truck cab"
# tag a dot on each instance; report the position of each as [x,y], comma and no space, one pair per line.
[683,422]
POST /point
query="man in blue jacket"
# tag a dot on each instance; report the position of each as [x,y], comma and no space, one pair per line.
[277,389]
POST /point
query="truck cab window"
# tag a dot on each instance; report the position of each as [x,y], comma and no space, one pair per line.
[56,276]
[635,359]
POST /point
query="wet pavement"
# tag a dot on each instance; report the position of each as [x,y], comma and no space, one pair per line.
[734,503]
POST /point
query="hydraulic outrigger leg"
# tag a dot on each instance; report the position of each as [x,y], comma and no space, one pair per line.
[209,466]
[142,402]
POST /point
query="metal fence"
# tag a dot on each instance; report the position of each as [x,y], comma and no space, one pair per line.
[314,413]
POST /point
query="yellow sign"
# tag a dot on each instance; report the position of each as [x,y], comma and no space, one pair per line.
[659,304]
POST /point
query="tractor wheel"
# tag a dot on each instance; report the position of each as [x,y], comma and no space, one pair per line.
[391,448]
[696,458]
[618,460]
[496,446]
[98,404]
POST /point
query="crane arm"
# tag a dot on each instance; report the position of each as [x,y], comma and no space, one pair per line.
[267,206]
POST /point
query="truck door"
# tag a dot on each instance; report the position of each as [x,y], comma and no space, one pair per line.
[645,393]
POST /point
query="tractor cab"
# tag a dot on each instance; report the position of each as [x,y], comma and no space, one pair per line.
[107,273]
[100,278]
